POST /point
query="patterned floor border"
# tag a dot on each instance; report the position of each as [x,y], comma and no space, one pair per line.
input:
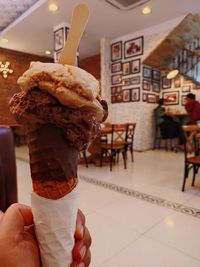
[143,196]
[136,194]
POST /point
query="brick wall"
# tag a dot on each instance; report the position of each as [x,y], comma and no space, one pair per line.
[92,65]
[19,62]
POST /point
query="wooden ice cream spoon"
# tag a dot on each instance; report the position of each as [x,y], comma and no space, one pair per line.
[78,23]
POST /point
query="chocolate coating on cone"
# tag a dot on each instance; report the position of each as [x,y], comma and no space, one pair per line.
[53,161]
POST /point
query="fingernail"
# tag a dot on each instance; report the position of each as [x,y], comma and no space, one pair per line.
[80,230]
[81,264]
[83,251]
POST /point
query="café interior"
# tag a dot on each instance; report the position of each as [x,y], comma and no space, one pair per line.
[140,194]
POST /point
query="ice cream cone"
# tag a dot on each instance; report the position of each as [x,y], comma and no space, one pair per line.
[53,162]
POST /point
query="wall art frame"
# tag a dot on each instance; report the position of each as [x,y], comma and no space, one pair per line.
[116,67]
[116,79]
[151,98]
[171,98]
[166,83]
[135,66]
[146,85]
[135,94]
[59,39]
[156,87]
[126,68]
[147,72]
[126,95]
[116,51]
[135,80]
[156,75]
[133,47]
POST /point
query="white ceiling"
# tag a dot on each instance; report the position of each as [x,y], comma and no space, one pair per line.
[33,31]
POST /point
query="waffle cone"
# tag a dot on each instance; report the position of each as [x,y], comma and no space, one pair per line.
[53,162]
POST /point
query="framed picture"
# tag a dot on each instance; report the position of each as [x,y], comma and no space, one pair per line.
[116,79]
[126,81]
[151,98]
[156,75]
[147,72]
[113,99]
[126,94]
[156,87]
[177,82]
[196,86]
[146,85]
[186,88]
[166,83]
[116,51]
[135,80]
[135,94]
[144,97]
[133,47]
[135,66]
[116,67]
[116,98]
[116,90]
[59,39]
[126,68]
[183,100]
[171,98]
[57,56]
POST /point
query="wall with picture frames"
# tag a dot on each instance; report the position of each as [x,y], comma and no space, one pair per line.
[134,88]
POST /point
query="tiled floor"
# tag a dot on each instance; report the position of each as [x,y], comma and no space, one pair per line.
[137,217]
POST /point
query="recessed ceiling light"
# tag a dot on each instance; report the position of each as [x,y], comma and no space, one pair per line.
[4,40]
[146,10]
[53,7]
[48,52]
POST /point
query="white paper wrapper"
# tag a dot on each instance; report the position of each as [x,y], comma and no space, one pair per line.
[55,222]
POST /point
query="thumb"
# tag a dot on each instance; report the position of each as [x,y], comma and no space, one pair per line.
[15,218]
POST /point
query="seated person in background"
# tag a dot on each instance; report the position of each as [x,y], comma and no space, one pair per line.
[168,127]
[192,107]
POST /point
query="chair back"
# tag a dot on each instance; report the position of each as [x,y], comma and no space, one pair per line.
[8,179]
[118,134]
[192,139]
[130,131]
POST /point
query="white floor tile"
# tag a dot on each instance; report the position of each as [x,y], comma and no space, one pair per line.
[179,231]
[134,214]
[145,252]
[108,238]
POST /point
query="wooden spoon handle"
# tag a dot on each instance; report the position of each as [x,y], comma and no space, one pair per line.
[78,23]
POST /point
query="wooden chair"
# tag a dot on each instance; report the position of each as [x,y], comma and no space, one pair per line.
[115,145]
[130,131]
[82,154]
[8,173]
[191,152]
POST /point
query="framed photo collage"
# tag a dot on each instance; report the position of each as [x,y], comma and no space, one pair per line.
[150,85]
[126,70]
[131,81]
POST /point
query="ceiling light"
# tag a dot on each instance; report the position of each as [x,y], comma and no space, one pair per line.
[4,40]
[53,7]
[146,10]
[47,52]
[172,74]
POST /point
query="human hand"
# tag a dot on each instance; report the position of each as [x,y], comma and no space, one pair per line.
[81,251]
[18,244]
